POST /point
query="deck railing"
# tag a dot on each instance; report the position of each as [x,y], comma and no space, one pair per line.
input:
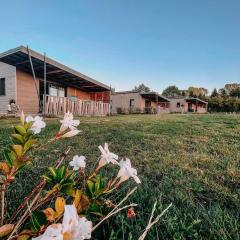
[61,105]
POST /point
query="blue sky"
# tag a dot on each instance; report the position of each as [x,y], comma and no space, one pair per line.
[128,42]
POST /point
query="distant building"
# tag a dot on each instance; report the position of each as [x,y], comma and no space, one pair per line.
[187,105]
[139,102]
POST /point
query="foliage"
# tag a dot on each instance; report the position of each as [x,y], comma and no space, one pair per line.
[214,93]
[220,104]
[141,88]
[197,92]
[171,91]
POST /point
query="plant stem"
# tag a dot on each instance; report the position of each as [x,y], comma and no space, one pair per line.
[2,204]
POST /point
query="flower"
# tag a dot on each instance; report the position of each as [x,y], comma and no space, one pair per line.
[126,171]
[131,213]
[72,228]
[37,125]
[78,162]
[107,156]
[68,122]
[70,134]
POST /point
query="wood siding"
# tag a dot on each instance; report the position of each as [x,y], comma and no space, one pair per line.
[122,100]
[9,73]
[27,97]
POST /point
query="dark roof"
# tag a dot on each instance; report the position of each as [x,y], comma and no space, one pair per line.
[189,99]
[192,99]
[153,96]
[56,71]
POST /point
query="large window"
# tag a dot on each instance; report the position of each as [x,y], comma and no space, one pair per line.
[56,91]
[2,87]
[178,104]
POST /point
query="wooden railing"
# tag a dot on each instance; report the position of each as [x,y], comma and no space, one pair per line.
[61,105]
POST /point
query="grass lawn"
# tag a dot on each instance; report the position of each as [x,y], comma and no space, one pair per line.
[192,161]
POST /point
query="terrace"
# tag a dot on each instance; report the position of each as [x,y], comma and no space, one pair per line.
[58,88]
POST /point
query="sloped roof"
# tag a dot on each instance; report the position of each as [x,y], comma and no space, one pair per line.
[56,71]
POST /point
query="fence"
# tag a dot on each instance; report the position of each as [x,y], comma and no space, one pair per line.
[61,105]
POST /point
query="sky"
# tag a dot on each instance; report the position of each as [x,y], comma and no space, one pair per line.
[127,42]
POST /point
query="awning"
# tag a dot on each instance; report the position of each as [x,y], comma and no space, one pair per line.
[154,97]
[56,72]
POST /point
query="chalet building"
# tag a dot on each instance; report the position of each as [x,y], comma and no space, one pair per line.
[187,105]
[139,102]
[40,84]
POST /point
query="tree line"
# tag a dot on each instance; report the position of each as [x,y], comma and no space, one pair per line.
[226,99]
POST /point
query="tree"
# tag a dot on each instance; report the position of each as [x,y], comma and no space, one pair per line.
[214,93]
[171,91]
[222,92]
[141,88]
[197,92]
[235,92]
[231,86]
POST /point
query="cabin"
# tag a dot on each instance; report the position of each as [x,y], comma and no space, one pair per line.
[42,85]
[139,102]
[188,105]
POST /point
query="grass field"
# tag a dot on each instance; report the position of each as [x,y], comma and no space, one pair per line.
[192,161]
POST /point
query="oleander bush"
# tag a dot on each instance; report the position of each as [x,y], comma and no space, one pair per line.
[69,202]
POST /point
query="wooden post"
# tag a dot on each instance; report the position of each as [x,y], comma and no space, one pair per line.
[157,104]
[45,84]
[34,76]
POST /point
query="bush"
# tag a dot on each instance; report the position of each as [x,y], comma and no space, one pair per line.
[219,104]
[150,110]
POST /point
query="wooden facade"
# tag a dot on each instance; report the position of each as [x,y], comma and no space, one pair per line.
[188,105]
[62,87]
[137,102]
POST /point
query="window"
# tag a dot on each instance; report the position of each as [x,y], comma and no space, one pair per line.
[178,104]
[2,87]
[131,102]
[56,91]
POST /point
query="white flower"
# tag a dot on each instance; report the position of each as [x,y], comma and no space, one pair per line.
[71,133]
[37,125]
[107,156]
[78,162]
[126,171]
[72,228]
[68,122]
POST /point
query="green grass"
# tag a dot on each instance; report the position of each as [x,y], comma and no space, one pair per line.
[192,161]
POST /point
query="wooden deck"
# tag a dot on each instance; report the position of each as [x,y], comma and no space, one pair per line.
[61,105]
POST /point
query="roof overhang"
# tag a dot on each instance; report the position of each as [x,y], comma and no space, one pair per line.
[154,97]
[56,72]
[195,100]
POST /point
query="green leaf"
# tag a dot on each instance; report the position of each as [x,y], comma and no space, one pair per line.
[18,149]
[8,158]
[18,137]
[90,187]
[53,172]
[28,145]
[68,189]
[38,219]
[20,129]
[95,209]
[48,179]
[28,125]
[61,173]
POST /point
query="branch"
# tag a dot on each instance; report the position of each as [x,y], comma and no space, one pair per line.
[151,223]
[39,187]
[116,209]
